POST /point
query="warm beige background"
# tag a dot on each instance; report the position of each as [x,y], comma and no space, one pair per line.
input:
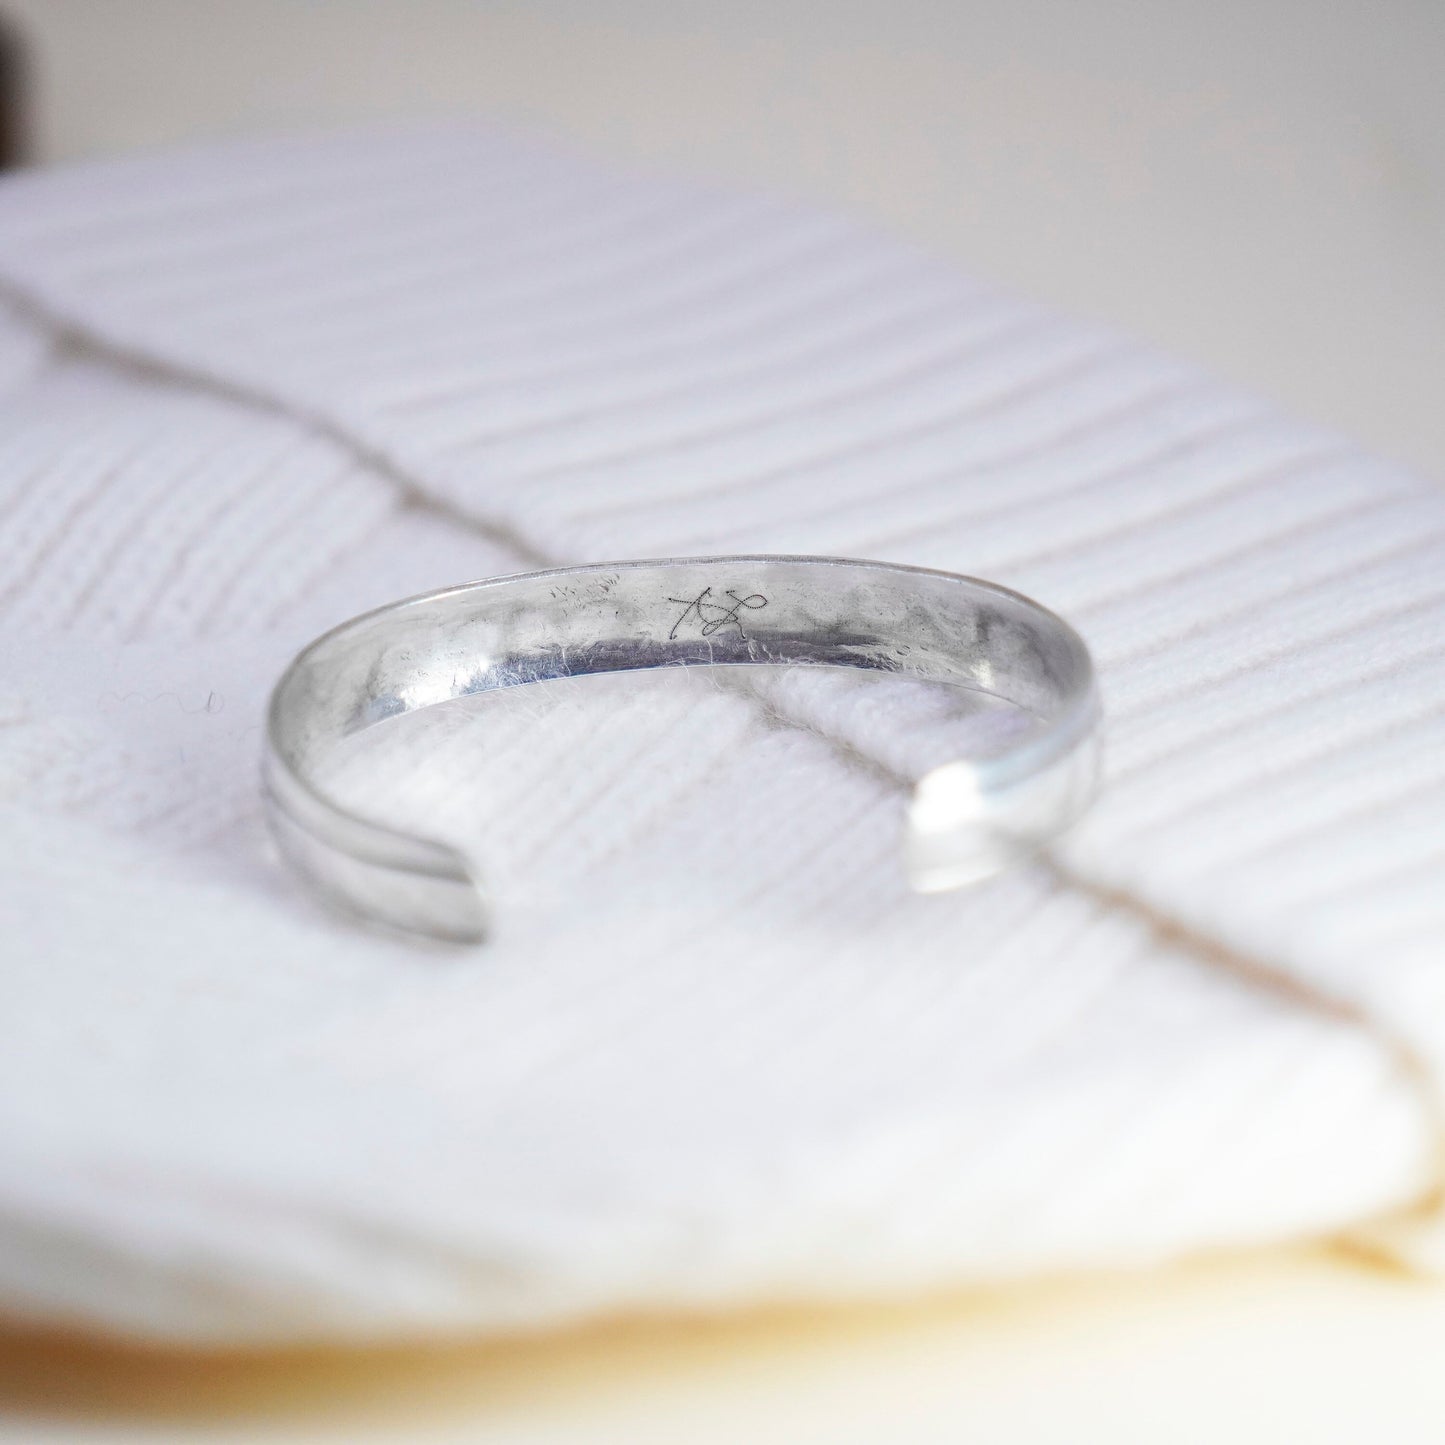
[1302,1350]
[1259,184]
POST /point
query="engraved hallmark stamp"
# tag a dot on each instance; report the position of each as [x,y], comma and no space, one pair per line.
[711,616]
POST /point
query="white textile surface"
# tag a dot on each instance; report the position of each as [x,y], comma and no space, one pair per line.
[717,1053]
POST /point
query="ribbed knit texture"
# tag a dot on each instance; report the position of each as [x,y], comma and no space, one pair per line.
[717,1052]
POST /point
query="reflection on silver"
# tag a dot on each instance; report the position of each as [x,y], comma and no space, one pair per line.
[968,818]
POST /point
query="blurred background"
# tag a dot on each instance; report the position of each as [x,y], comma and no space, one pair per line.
[1258,185]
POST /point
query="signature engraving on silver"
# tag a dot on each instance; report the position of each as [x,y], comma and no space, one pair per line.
[970,815]
[711,616]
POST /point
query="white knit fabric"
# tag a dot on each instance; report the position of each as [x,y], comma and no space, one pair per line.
[717,1052]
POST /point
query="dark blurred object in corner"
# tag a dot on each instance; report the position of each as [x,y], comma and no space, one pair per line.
[15,136]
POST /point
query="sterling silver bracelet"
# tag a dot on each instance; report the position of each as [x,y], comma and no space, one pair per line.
[966,819]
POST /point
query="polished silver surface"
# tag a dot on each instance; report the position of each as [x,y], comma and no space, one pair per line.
[967,818]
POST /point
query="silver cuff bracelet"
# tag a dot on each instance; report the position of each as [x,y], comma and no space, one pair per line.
[967,818]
